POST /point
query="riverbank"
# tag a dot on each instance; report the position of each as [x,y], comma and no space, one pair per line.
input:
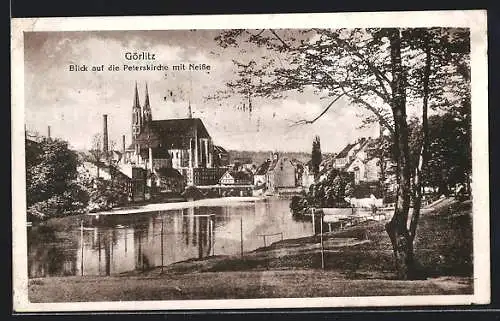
[357,262]
[206,202]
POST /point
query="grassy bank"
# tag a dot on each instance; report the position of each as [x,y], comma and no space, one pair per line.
[233,285]
[357,262]
[443,247]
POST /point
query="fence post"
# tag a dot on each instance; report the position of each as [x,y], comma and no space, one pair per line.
[162,244]
[313,222]
[81,238]
[241,235]
[321,240]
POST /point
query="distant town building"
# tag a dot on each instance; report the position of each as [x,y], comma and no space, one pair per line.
[221,157]
[204,176]
[299,171]
[307,176]
[259,177]
[281,174]
[103,171]
[236,178]
[345,156]
[171,180]
[365,167]
[360,160]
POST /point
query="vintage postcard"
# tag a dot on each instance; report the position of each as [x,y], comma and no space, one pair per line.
[250,161]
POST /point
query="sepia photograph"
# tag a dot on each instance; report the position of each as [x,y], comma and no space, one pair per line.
[257,161]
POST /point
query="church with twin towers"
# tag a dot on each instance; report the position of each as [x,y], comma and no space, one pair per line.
[170,150]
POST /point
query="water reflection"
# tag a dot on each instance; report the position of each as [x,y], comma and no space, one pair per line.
[115,244]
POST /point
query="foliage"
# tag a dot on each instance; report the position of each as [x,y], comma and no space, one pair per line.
[330,192]
[449,150]
[55,186]
[51,172]
[103,194]
[316,156]
[96,153]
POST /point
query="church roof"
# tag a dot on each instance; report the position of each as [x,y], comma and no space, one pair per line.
[180,126]
[170,133]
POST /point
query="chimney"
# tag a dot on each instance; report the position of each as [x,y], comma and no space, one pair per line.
[48,132]
[105,134]
[190,112]
[123,144]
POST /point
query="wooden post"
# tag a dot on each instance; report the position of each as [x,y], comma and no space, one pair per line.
[111,251]
[313,222]
[264,237]
[162,244]
[241,235]
[141,261]
[81,240]
[212,235]
[321,240]
[99,246]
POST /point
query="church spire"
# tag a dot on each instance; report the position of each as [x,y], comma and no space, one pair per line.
[136,115]
[146,102]
[147,114]
[136,98]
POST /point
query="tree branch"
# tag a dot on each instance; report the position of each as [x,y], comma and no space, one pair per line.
[279,38]
[374,110]
[304,122]
[253,35]
[378,74]
[371,108]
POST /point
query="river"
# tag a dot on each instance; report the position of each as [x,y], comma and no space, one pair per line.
[113,244]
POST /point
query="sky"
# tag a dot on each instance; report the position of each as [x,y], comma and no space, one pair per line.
[72,102]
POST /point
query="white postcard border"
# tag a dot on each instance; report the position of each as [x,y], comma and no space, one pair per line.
[474,19]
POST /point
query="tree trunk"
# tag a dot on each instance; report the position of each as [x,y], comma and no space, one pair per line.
[382,176]
[397,228]
[417,185]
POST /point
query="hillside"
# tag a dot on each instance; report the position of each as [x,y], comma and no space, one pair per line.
[258,157]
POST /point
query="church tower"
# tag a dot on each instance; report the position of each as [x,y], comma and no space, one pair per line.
[136,116]
[147,115]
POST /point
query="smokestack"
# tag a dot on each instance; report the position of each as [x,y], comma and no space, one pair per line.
[123,144]
[105,134]
[48,132]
